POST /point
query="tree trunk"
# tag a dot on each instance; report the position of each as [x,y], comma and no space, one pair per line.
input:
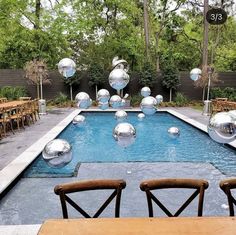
[170,94]
[203,93]
[157,53]
[96,91]
[71,92]
[37,87]
[146,27]
[205,37]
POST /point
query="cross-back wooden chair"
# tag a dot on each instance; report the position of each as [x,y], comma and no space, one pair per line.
[156,184]
[99,184]
[227,185]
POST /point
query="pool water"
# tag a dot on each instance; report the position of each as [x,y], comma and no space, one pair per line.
[93,142]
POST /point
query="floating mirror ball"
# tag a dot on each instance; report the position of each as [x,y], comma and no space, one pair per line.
[103,96]
[83,100]
[78,120]
[159,99]
[67,67]
[103,106]
[118,79]
[115,101]
[141,116]
[173,132]
[148,105]
[195,74]
[57,153]
[121,115]
[124,133]
[222,127]
[145,91]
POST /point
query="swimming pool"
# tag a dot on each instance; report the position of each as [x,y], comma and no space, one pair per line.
[94,143]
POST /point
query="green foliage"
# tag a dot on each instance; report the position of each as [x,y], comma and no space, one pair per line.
[227,92]
[148,75]
[96,74]
[13,93]
[61,99]
[135,100]
[170,75]
[180,99]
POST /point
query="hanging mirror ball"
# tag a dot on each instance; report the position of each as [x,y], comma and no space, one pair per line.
[159,99]
[67,67]
[148,105]
[145,91]
[118,79]
[103,96]
[57,153]
[115,101]
[195,74]
[103,106]
[124,133]
[83,100]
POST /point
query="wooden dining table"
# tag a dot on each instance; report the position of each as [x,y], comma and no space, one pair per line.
[141,226]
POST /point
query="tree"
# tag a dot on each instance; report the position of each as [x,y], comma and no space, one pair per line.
[148,75]
[96,76]
[170,75]
[36,70]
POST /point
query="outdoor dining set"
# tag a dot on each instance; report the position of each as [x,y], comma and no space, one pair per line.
[16,114]
[159,225]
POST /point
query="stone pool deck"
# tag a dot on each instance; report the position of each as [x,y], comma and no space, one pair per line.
[32,200]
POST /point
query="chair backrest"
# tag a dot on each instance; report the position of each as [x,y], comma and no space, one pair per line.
[226,185]
[198,184]
[99,184]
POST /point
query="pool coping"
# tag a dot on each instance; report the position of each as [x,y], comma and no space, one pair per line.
[18,165]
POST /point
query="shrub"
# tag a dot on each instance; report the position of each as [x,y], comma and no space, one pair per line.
[227,92]
[135,100]
[61,99]
[181,100]
[13,93]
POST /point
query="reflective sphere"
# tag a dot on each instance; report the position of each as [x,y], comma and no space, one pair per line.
[57,153]
[125,134]
[83,100]
[118,79]
[115,101]
[173,132]
[121,115]
[159,99]
[67,67]
[145,91]
[120,64]
[78,120]
[103,106]
[148,105]
[195,74]
[222,127]
[103,95]
[141,116]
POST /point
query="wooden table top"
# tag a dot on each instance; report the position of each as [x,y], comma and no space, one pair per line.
[141,226]
[13,103]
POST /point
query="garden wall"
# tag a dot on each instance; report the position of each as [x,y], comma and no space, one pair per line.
[10,77]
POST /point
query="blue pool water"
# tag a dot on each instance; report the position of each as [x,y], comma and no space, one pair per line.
[94,143]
